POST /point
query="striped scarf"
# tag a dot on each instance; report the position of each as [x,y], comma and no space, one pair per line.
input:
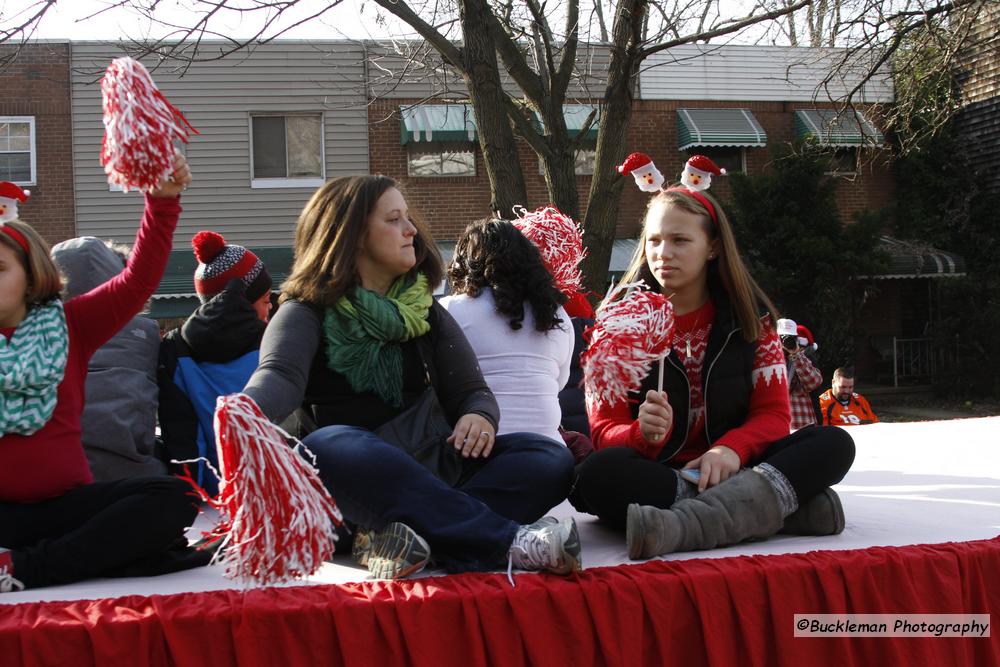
[32,363]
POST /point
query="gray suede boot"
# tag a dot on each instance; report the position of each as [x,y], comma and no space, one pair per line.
[822,515]
[741,508]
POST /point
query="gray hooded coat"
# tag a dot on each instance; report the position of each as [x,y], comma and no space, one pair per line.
[119,415]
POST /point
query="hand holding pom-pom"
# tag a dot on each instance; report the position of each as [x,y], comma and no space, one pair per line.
[141,127]
[629,334]
[177,182]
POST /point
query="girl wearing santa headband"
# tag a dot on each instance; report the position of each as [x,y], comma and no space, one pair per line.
[56,525]
[723,415]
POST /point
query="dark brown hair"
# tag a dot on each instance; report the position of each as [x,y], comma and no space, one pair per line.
[844,373]
[329,236]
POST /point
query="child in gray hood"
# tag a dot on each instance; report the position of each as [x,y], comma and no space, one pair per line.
[119,415]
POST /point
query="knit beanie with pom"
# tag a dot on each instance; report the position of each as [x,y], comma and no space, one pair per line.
[219,262]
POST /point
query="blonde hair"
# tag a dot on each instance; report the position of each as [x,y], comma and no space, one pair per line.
[328,238]
[44,281]
[746,297]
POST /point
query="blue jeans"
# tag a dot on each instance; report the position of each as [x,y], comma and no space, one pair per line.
[469,528]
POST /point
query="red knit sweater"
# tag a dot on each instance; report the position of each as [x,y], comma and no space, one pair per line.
[766,422]
[51,461]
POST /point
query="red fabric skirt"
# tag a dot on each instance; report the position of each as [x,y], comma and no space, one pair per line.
[718,611]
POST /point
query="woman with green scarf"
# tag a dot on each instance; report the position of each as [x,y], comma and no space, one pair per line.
[357,340]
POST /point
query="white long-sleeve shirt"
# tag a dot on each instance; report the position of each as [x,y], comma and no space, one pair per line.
[525,369]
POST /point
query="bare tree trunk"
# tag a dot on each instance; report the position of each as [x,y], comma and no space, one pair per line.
[606,187]
[496,138]
[560,180]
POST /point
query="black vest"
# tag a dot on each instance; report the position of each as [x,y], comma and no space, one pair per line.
[726,382]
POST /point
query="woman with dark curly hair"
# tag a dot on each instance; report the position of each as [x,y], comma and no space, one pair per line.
[508,307]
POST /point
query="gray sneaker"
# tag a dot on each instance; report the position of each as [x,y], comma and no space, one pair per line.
[548,544]
[393,552]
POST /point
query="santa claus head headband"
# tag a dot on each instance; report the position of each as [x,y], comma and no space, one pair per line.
[10,195]
[697,176]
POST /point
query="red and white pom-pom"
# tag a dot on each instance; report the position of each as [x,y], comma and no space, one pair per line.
[140,127]
[277,519]
[629,334]
[560,242]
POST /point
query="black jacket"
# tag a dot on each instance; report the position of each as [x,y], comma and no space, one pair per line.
[572,400]
[216,337]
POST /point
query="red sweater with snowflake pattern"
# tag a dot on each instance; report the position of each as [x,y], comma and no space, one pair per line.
[767,419]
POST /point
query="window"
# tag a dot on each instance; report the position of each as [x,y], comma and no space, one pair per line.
[17,149]
[287,150]
[584,160]
[730,158]
[843,161]
[440,158]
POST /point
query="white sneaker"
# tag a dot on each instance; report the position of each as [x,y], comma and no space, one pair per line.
[8,584]
[548,544]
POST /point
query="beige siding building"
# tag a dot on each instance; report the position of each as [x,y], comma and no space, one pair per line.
[274,123]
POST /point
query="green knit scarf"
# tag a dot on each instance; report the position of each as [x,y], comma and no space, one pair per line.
[364,331]
[32,363]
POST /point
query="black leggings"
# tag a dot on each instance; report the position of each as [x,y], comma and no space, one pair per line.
[609,480]
[129,527]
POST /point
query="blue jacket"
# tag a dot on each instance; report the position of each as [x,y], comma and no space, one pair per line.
[212,354]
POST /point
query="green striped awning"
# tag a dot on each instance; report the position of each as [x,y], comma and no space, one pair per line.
[575,115]
[437,122]
[175,297]
[836,128]
[910,259]
[718,127]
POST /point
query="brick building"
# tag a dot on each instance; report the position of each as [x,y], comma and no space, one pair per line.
[978,73]
[36,135]
[734,103]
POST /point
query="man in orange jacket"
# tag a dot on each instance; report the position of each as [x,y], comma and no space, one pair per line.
[841,406]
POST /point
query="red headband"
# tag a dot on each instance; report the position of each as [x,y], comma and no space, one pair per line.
[17,236]
[700,198]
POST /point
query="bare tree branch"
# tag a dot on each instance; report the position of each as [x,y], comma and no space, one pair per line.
[726,29]
[25,23]
[444,46]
